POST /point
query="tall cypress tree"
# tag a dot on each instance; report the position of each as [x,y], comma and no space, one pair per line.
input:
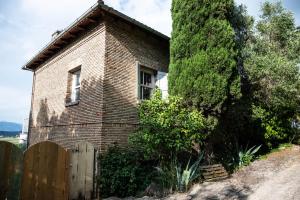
[203,66]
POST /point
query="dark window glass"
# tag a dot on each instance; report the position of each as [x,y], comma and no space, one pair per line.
[146,93]
[147,79]
[141,77]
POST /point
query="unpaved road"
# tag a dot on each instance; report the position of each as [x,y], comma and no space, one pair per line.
[275,178]
[284,185]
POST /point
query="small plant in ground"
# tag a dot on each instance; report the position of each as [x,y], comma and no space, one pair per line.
[166,177]
[186,176]
[174,177]
[245,156]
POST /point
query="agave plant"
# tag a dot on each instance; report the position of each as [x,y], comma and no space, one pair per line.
[187,175]
[247,155]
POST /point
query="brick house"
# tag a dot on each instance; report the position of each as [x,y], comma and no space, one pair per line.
[88,81]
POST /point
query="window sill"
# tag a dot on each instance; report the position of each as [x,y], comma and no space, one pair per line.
[73,103]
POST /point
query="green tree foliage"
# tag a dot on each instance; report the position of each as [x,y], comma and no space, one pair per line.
[124,172]
[203,55]
[273,69]
[167,127]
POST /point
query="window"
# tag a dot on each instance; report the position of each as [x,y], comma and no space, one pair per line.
[75,91]
[146,83]
[162,83]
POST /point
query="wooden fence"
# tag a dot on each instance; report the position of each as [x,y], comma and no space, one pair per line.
[52,172]
[10,171]
[82,172]
[46,172]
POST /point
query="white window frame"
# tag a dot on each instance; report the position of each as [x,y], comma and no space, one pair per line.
[143,69]
[75,87]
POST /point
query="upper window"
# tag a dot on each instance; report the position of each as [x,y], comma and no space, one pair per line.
[146,83]
[75,92]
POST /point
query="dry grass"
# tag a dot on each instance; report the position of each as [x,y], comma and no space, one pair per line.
[13,140]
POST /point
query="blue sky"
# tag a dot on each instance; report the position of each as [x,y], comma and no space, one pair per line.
[27,25]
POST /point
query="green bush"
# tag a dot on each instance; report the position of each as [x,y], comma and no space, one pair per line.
[124,172]
[275,129]
[167,127]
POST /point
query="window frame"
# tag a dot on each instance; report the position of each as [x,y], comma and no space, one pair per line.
[143,69]
[75,87]
[71,99]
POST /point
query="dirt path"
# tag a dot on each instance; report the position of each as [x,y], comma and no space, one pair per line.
[284,185]
[275,178]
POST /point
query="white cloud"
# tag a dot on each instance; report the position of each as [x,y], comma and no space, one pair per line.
[14,104]
[2,18]
[116,4]
[44,17]
[154,13]
[56,8]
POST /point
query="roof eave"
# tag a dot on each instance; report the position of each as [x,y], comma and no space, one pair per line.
[30,66]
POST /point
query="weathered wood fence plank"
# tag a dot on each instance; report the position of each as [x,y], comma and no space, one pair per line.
[46,175]
[52,172]
[10,171]
[82,171]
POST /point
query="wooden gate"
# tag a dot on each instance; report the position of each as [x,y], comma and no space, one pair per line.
[46,172]
[10,171]
[82,171]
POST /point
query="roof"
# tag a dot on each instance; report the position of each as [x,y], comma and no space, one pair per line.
[80,25]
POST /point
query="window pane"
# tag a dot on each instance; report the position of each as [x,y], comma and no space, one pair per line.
[141,92]
[146,93]
[141,77]
[147,79]
[77,79]
[77,94]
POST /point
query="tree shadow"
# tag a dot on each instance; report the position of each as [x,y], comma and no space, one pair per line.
[103,117]
[227,193]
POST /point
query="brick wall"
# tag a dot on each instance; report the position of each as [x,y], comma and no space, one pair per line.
[126,47]
[108,56]
[51,119]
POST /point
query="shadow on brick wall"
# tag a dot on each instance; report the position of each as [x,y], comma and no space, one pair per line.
[105,115]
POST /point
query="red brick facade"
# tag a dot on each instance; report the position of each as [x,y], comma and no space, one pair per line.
[108,56]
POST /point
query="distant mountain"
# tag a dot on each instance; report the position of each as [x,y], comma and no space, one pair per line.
[10,127]
[9,133]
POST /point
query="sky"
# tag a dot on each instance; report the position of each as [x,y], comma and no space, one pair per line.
[26,26]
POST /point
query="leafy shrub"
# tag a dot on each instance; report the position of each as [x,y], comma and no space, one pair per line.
[276,129]
[23,147]
[245,156]
[124,172]
[167,127]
